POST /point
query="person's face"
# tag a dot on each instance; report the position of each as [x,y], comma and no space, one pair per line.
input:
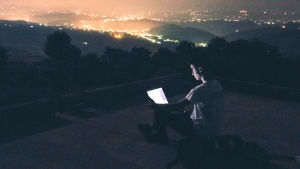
[195,72]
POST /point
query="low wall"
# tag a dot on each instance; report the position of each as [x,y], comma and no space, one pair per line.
[261,89]
[100,96]
[137,91]
[36,109]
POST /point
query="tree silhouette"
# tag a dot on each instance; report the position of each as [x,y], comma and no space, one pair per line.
[217,45]
[247,60]
[64,57]
[162,61]
[185,49]
[114,58]
[114,55]
[58,46]
[215,51]
[90,71]
[3,59]
[295,71]
[135,64]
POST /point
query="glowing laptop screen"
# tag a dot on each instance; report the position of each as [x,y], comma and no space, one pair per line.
[158,96]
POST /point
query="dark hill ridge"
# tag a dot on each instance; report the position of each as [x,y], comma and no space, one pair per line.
[175,32]
[165,29]
[21,35]
[222,27]
[191,34]
[287,39]
[30,37]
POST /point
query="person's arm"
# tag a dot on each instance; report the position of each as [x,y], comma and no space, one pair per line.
[181,104]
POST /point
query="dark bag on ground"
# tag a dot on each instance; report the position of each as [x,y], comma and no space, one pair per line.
[222,152]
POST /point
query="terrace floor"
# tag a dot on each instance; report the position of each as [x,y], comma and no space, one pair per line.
[109,139]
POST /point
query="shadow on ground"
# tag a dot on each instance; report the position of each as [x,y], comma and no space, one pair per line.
[12,128]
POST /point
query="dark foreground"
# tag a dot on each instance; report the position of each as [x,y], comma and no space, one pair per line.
[99,138]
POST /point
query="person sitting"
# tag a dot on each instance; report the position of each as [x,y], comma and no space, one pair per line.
[203,121]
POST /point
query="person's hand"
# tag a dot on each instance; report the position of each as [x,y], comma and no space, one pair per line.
[188,109]
[152,105]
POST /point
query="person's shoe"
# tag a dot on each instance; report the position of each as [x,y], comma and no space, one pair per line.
[151,136]
[145,128]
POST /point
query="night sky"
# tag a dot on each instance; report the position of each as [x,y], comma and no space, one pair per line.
[133,6]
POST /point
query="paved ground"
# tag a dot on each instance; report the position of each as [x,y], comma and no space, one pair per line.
[108,138]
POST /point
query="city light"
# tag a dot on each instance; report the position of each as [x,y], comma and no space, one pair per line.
[118,36]
[119,26]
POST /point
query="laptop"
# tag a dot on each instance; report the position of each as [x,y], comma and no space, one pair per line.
[158,96]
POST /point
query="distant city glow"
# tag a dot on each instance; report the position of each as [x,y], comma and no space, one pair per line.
[201,44]
[138,6]
[120,25]
[118,36]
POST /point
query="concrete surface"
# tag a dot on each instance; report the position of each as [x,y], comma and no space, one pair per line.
[109,139]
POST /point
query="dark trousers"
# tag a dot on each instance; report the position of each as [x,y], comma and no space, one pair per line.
[181,123]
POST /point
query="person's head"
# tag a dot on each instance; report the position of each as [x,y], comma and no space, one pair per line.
[200,67]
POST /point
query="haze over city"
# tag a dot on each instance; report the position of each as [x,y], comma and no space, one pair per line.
[134,6]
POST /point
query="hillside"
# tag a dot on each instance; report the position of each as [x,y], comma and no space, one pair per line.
[191,34]
[222,28]
[287,39]
[171,31]
[30,37]
[165,29]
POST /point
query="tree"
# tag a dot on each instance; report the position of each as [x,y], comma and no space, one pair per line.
[162,61]
[138,57]
[185,49]
[58,46]
[90,71]
[114,55]
[294,74]
[114,59]
[3,59]
[64,57]
[217,45]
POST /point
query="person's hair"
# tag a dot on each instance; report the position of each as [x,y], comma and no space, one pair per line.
[201,61]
